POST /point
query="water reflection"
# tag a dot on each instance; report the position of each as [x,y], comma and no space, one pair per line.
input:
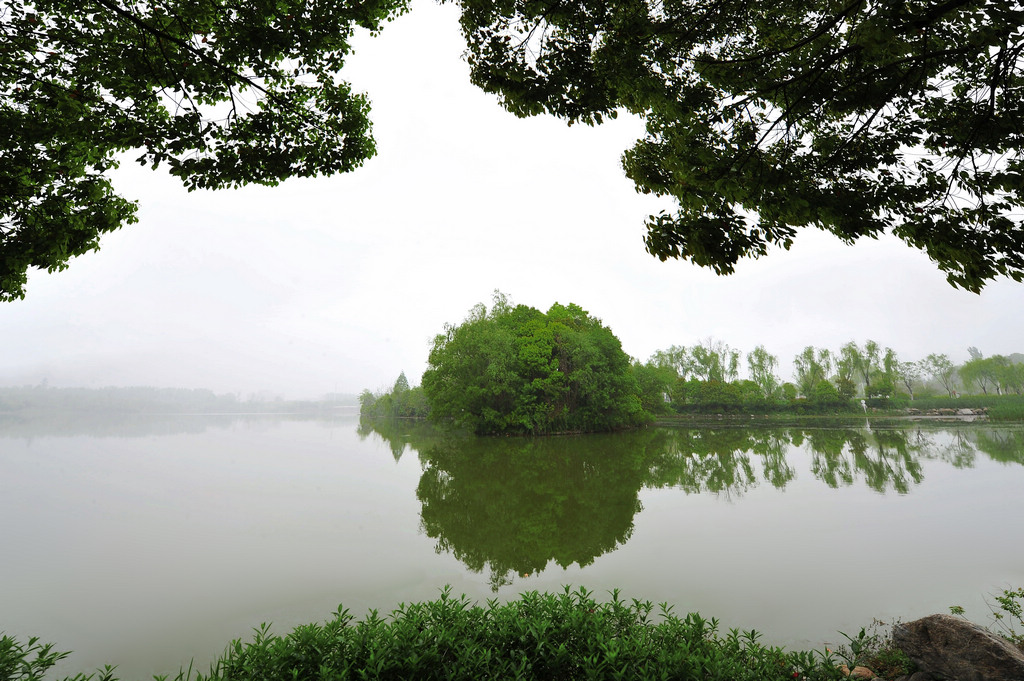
[1006,446]
[723,461]
[509,506]
[885,459]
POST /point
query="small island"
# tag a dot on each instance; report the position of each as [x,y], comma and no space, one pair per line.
[517,370]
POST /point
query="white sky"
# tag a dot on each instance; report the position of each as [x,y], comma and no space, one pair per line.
[338,284]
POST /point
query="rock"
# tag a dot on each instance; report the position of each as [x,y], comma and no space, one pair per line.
[954,648]
[857,673]
[917,676]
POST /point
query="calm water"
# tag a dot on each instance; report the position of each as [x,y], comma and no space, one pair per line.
[148,542]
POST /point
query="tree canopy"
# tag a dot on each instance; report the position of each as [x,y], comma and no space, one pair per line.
[855,117]
[519,370]
[858,118]
[220,95]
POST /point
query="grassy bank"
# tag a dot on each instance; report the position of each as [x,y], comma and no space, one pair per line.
[1002,408]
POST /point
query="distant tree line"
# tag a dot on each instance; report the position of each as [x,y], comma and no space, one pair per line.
[152,400]
[706,377]
[999,374]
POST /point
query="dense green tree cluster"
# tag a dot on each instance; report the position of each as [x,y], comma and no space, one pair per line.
[761,118]
[655,383]
[514,369]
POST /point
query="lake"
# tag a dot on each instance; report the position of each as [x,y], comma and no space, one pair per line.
[147,542]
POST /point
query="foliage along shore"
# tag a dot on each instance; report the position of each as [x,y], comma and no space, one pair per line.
[564,635]
[403,401]
[999,408]
[514,370]
[568,635]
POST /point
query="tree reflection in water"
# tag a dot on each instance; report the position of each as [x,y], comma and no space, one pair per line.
[513,505]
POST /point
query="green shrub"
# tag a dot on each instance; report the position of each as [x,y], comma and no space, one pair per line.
[1009,615]
[567,635]
[32,661]
[540,636]
[1007,408]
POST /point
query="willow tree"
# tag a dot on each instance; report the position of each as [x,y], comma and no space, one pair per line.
[811,367]
[762,365]
[942,370]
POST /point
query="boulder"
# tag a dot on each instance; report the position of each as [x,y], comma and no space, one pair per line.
[953,648]
[857,672]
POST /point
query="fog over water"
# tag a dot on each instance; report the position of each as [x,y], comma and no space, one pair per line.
[338,284]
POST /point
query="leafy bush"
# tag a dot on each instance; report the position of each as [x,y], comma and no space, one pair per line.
[826,396]
[1010,615]
[1007,615]
[567,635]
[31,661]
[873,650]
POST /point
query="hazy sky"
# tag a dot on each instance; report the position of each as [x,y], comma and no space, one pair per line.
[338,284]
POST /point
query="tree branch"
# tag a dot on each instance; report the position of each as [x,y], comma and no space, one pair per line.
[152,30]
